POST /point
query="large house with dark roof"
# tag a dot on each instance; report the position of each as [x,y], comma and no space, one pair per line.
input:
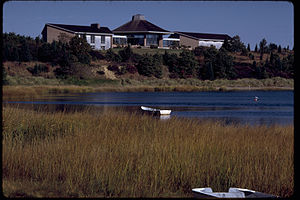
[193,40]
[140,32]
[98,37]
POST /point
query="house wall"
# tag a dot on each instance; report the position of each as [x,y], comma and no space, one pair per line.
[217,44]
[188,42]
[53,33]
[195,43]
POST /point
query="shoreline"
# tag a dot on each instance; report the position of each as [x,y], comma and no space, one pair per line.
[25,92]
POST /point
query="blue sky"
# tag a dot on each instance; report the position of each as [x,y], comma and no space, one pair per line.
[251,20]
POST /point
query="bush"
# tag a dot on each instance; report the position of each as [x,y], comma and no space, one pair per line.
[126,53]
[38,68]
[97,55]
[114,68]
[4,76]
[111,56]
[131,69]
[150,66]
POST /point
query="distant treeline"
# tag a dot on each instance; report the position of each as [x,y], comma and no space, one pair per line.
[202,62]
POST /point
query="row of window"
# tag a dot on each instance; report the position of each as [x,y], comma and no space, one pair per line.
[92,41]
[136,39]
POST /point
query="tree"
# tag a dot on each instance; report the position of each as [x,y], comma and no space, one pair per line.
[126,53]
[224,65]
[187,64]
[248,47]
[4,76]
[236,44]
[25,54]
[255,49]
[208,71]
[226,45]
[80,49]
[263,46]
[111,56]
[150,66]
[279,49]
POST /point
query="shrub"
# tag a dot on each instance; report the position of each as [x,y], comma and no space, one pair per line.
[111,56]
[152,46]
[131,69]
[126,53]
[38,68]
[150,66]
[114,68]
[4,76]
[97,55]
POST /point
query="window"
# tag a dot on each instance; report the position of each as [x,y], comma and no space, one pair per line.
[102,39]
[152,39]
[120,41]
[92,39]
[136,39]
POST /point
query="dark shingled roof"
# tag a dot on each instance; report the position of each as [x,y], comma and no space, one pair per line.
[139,24]
[205,35]
[87,29]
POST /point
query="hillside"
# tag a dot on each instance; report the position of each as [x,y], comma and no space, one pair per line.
[33,62]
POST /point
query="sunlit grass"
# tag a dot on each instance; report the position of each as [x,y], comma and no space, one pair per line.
[121,154]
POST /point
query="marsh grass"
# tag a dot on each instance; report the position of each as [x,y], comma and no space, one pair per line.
[13,92]
[121,154]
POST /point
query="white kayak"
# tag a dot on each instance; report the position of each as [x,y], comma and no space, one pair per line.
[154,110]
[232,193]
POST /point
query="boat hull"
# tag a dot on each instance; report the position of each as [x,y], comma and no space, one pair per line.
[155,111]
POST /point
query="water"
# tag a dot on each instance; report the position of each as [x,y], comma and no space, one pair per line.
[273,107]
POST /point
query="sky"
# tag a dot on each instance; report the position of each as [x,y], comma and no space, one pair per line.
[250,20]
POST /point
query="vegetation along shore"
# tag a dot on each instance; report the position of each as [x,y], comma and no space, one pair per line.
[33,62]
[121,154]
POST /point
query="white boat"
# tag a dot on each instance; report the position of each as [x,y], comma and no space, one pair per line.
[156,111]
[232,193]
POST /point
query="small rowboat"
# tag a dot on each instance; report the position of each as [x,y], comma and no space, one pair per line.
[232,193]
[156,111]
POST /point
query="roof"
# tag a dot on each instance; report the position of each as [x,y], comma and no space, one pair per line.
[205,35]
[139,24]
[84,29]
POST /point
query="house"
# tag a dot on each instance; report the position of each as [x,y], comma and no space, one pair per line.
[193,40]
[98,37]
[140,32]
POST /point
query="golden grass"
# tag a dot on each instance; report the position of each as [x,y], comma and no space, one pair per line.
[13,92]
[80,154]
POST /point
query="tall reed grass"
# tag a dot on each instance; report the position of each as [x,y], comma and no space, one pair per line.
[119,154]
[17,92]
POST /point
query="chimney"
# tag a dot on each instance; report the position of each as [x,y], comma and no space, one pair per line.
[138,17]
[96,26]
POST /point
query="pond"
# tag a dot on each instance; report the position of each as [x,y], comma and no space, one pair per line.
[271,107]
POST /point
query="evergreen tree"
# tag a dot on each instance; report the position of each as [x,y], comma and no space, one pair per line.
[263,46]
[150,66]
[248,47]
[187,64]
[255,49]
[80,49]
[126,53]
[279,49]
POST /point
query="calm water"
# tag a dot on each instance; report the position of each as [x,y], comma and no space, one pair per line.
[273,107]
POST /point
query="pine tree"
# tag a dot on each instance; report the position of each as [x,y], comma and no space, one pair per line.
[279,49]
